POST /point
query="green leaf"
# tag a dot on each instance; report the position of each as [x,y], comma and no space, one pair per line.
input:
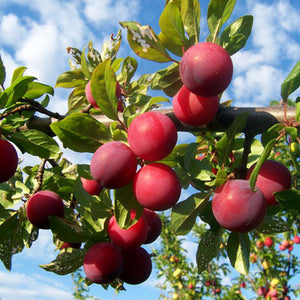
[190,12]
[272,133]
[171,25]
[37,89]
[75,132]
[103,87]
[218,13]
[71,79]
[111,47]
[167,80]
[66,262]
[184,213]
[291,83]
[238,249]
[272,225]
[16,91]
[289,199]
[85,67]
[208,248]
[36,143]
[264,156]
[17,74]
[124,202]
[235,36]
[11,239]
[2,72]
[128,68]
[67,231]
[225,145]
[145,42]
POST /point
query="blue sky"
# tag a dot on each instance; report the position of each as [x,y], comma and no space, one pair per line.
[36,34]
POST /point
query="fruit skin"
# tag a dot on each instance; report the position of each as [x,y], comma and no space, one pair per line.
[260,244]
[206,69]
[131,237]
[296,239]
[237,208]
[154,225]
[70,245]
[156,187]
[137,266]
[89,96]
[268,242]
[103,262]
[113,165]
[91,186]
[42,205]
[8,160]
[152,136]
[273,177]
[194,110]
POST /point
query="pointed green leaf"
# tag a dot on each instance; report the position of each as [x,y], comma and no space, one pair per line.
[291,83]
[2,72]
[218,13]
[75,132]
[17,74]
[289,199]
[171,25]
[190,12]
[67,231]
[128,68]
[103,87]
[36,143]
[273,225]
[145,42]
[184,213]
[66,262]
[208,248]
[37,90]
[71,79]
[235,36]
[125,201]
[111,47]
[238,250]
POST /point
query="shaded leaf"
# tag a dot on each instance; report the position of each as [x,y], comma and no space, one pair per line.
[75,132]
[2,72]
[238,250]
[272,225]
[184,213]
[289,199]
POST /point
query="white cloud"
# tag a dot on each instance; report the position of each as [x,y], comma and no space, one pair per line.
[15,286]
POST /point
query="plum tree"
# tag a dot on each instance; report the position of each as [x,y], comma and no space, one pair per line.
[273,177]
[154,225]
[113,165]
[206,69]
[42,205]
[131,237]
[194,110]
[137,265]
[91,186]
[103,263]
[8,160]
[152,136]
[237,208]
[156,187]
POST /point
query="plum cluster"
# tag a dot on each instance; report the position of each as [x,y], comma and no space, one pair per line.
[206,70]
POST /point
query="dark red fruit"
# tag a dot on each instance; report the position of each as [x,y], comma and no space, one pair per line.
[237,208]
[154,225]
[113,165]
[91,186]
[70,245]
[152,136]
[206,69]
[42,205]
[137,266]
[273,177]
[103,263]
[8,160]
[194,110]
[131,237]
[156,187]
